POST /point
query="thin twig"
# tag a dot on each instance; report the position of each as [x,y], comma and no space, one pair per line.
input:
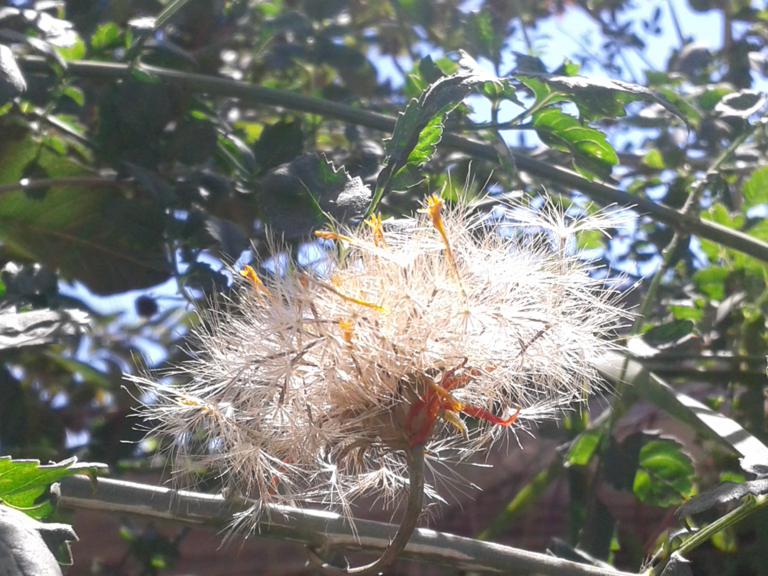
[314,528]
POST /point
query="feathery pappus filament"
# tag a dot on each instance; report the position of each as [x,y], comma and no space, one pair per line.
[435,332]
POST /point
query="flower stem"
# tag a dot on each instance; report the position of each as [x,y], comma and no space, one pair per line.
[404,531]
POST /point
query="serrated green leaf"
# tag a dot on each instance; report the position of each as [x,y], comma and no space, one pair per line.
[756,188]
[299,196]
[24,484]
[426,113]
[595,98]
[429,138]
[665,474]
[592,154]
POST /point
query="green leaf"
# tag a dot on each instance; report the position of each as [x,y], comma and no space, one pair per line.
[654,159]
[665,474]
[106,36]
[583,448]
[76,51]
[725,540]
[593,156]
[685,110]
[428,140]
[711,281]
[720,214]
[590,239]
[24,484]
[483,34]
[595,98]
[759,230]
[668,332]
[75,94]
[756,188]
[708,99]
[686,313]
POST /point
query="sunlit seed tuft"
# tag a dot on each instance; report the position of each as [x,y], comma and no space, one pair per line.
[444,330]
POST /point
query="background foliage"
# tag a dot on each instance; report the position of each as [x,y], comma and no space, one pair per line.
[143,144]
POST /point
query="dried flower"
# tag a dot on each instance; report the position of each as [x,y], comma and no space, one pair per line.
[436,332]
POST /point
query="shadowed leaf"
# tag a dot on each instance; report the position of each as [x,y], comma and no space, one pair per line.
[92,234]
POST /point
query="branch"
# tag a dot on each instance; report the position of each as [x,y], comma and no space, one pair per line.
[317,529]
[620,369]
[598,191]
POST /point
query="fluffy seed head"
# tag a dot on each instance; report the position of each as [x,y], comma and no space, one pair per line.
[447,329]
